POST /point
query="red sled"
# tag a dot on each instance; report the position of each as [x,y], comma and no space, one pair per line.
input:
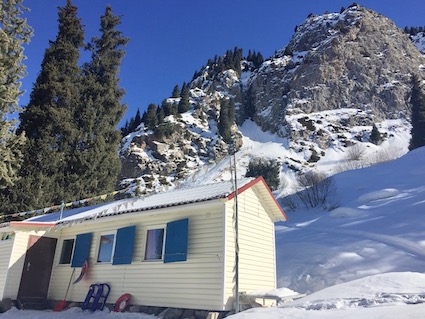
[121,303]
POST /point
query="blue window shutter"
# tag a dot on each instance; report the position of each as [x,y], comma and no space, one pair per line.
[124,246]
[81,250]
[176,241]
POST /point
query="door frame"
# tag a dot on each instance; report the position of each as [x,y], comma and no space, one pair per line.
[38,264]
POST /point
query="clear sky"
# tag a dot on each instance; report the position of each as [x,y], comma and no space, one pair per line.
[170,39]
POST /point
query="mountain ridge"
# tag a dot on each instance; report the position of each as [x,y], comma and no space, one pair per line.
[323,92]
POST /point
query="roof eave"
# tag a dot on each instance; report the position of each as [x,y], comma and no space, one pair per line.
[277,211]
[32,224]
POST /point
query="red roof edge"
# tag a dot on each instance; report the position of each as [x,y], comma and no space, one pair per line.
[252,183]
[28,224]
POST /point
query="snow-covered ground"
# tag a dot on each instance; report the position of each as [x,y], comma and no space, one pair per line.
[362,259]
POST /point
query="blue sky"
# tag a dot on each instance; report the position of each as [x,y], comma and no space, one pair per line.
[170,40]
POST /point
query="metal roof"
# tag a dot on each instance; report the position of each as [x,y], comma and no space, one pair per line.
[181,196]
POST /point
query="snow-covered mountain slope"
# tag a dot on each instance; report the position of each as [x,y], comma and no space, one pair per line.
[317,101]
[419,41]
[377,226]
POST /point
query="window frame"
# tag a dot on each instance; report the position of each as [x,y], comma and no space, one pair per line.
[106,233]
[60,263]
[145,246]
[174,241]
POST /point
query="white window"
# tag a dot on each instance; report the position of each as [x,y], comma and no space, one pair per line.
[168,244]
[154,244]
[106,247]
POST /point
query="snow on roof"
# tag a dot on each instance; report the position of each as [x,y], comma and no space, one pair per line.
[182,196]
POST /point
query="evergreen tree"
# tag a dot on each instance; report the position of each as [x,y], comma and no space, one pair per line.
[125,129]
[137,119]
[226,119]
[375,136]
[249,106]
[237,59]
[151,120]
[268,169]
[144,116]
[184,103]
[96,160]
[228,60]
[288,50]
[14,32]
[417,102]
[48,119]
[166,106]
[131,125]
[174,109]
[160,115]
[176,92]
[249,57]
[259,60]
[256,58]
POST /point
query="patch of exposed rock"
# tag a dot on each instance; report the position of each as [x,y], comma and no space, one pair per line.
[356,59]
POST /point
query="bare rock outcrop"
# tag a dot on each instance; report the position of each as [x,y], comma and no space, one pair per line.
[354,59]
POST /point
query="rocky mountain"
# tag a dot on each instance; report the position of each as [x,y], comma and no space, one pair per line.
[340,75]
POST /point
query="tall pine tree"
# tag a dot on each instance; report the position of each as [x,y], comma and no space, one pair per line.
[101,110]
[184,103]
[14,32]
[417,102]
[176,92]
[226,119]
[48,120]
[151,120]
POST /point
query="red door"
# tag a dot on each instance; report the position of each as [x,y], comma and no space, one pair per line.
[37,269]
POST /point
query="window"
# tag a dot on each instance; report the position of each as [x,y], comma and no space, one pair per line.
[66,254]
[154,244]
[7,236]
[106,246]
[168,244]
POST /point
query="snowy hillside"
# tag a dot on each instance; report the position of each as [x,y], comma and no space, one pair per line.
[378,227]
[341,78]
[265,145]
[367,254]
[419,41]
[293,155]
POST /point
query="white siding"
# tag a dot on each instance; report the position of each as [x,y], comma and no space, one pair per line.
[16,263]
[5,251]
[195,283]
[257,262]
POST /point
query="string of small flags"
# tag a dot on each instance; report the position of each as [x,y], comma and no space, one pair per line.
[79,202]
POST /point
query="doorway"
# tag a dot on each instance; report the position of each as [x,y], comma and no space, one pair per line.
[37,269]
